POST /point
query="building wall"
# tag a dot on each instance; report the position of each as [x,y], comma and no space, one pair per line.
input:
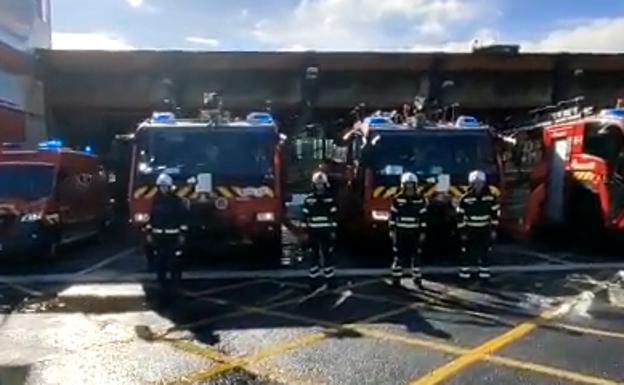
[24,27]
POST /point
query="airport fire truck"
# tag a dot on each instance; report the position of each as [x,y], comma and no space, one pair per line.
[567,171]
[380,150]
[50,195]
[227,170]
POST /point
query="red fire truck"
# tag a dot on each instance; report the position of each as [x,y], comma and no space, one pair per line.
[566,171]
[442,155]
[50,195]
[228,171]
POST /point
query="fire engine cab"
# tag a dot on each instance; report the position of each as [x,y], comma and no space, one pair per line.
[227,170]
[50,195]
[441,155]
[567,170]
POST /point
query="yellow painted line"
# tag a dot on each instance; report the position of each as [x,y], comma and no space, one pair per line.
[236,285]
[263,354]
[507,362]
[551,371]
[437,304]
[201,350]
[425,343]
[477,353]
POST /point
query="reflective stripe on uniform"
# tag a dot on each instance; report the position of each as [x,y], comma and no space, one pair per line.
[314,271]
[166,231]
[329,272]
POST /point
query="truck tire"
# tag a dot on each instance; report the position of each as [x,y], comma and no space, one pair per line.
[270,252]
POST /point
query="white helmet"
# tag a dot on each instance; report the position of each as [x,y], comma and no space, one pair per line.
[476,176]
[164,180]
[320,177]
[409,177]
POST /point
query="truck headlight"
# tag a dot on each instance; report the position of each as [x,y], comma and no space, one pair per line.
[31,217]
[265,217]
[380,215]
[141,217]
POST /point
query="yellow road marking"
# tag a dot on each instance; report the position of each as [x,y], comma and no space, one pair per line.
[436,304]
[477,353]
[431,344]
[507,362]
[235,285]
[271,351]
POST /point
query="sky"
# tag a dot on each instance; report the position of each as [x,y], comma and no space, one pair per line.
[338,25]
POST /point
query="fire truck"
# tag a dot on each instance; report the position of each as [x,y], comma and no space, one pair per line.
[50,195]
[441,155]
[566,171]
[227,170]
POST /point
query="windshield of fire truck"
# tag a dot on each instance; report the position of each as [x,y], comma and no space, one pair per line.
[603,142]
[432,152]
[28,182]
[227,151]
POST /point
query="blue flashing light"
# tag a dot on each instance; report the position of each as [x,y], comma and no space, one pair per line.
[51,144]
[467,121]
[163,117]
[260,117]
[613,113]
[88,149]
[373,121]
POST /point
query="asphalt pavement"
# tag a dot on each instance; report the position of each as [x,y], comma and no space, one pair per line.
[95,317]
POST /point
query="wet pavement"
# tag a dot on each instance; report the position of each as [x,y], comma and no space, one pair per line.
[541,327]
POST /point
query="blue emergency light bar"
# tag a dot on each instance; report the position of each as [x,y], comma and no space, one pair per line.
[613,113]
[467,121]
[51,144]
[373,121]
[88,149]
[260,118]
[163,117]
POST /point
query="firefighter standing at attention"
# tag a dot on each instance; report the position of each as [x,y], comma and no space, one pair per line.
[407,229]
[478,212]
[166,233]
[319,210]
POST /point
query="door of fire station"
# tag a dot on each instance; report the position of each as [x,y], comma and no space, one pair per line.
[555,184]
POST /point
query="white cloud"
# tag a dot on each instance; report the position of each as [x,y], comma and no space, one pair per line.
[88,41]
[204,41]
[604,35]
[368,24]
[596,36]
[135,3]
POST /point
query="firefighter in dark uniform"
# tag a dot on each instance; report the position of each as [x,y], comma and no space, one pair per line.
[166,233]
[478,212]
[319,210]
[407,227]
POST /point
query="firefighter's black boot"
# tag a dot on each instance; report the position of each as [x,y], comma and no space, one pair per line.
[417,277]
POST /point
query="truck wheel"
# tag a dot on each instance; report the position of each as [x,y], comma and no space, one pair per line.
[270,252]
